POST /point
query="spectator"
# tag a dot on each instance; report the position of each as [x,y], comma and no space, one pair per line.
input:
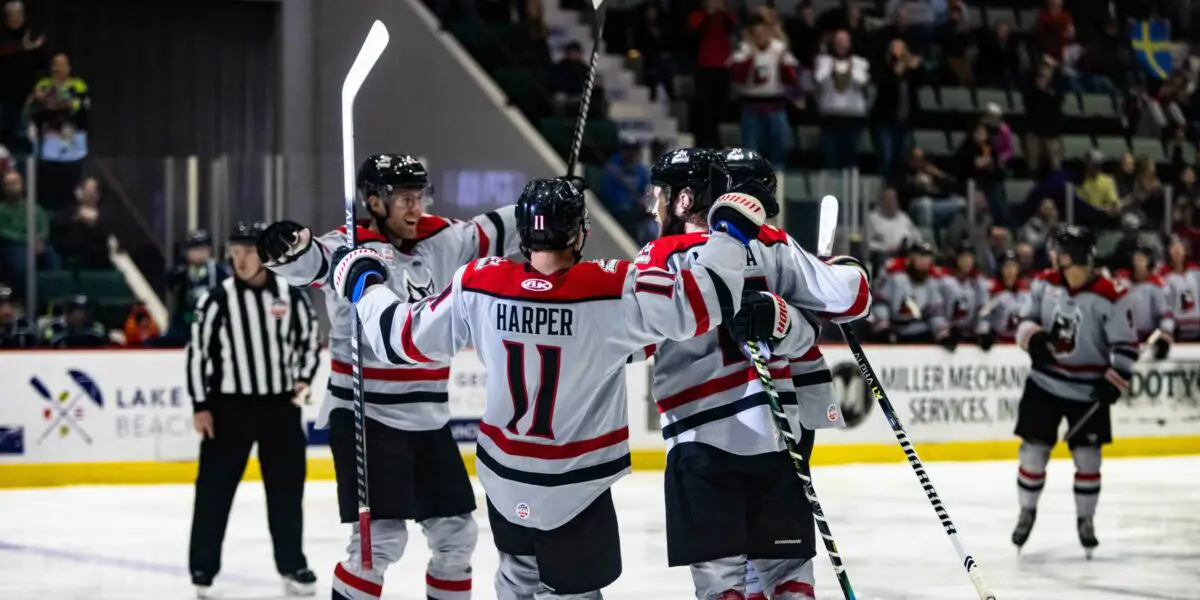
[13,238]
[59,110]
[896,105]
[650,39]
[1165,110]
[1098,188]
[846,16]
[997,244]
[927,191]
[763,68]
[999,59]
[80,232]
[1027,256]
[624,181]
[1147,199]
[1124,178]
[973,232]
[529,40]
[999,132]
[1132,237]
[900,28]
[977,161]
[1038,228]
[920,15]
[803,34]
[1109,58]
[16,330]
[187,282]
[1050,30]
[1187,197]
[842,79]
[890,229]
[75,328]
[569,75]
[713,28]
[1044,116]
[139,327]
[956,38]
[21,57]
[767,15]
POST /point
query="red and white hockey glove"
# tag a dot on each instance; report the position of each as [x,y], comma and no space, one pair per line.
[354,270]
[739,215]
[763,318]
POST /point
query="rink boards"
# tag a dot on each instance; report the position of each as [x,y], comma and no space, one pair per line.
[123,416]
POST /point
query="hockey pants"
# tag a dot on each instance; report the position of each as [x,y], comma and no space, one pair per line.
[781,579]
[518,579]
[447,576]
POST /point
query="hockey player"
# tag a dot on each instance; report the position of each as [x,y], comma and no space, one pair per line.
[1153,320]
[554,334]
[964,293]
[731,492]
[1007,294]
[16,330]
[189,280]
[1078,330]
[911,306]
[415,469]
[76,327]
[1182,278]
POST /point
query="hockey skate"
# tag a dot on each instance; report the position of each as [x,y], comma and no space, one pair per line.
[1024,525]
[300,583]
[203,583]
[1087,536]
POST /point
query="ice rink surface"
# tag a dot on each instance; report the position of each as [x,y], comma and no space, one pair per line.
[102,543]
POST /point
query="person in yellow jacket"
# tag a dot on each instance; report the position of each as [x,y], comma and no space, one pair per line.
[1098,188]
[58,107]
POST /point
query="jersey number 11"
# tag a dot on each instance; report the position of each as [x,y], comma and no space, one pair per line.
[545,395]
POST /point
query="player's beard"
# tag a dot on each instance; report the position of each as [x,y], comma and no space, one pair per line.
[917,275]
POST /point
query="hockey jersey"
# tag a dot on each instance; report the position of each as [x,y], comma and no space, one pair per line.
[555,430]
[910,309]
[705,388]
[408,397]
[1150,308]
[1002,313]
[1091,334]
[1183,291]
[963,297]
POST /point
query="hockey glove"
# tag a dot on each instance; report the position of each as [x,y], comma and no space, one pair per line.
[1162,347]
[283,241]
[355,270]
[850,261]
[1039,349]
[763,318]
[987,340]
[739,215]
[1106,392]
[950,340]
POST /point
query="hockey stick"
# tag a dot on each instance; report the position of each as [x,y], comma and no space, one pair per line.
[968,561]
[586,101]
[368,55]
[789,438]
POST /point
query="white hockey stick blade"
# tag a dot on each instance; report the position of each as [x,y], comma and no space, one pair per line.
[368,55]
[596,4]
[827,226]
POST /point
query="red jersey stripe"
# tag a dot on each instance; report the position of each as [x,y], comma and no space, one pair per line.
[406,341]
[696,301]
[483,240]
[380,374]
[551,451]
[716,386]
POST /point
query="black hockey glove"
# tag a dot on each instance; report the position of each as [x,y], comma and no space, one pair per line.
[281,242]
[739,215]
[763,318]
[987,340]
[950,340]
[1162,347]
[1106,392]
[355,270]
[1039,349]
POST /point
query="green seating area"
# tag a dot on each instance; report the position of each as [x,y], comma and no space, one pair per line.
[107,291]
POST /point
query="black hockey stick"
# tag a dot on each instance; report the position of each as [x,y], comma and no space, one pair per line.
[372,48]
[801,466]
[985,593]
[586,101]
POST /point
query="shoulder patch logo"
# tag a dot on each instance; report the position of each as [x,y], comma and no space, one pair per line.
[607,265]
[643,255]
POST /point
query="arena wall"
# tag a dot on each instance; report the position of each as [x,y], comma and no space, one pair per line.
[123,416]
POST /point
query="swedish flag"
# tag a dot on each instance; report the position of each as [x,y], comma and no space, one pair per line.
[1151,42]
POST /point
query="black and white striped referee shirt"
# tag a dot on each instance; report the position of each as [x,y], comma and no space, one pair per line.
[250,341]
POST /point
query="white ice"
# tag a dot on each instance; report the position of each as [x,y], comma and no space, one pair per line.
[109,542]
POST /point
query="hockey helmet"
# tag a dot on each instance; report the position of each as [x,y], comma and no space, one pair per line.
[550,214]
[382,174]
[6,294]
[921,248]
[1009,256]
[1077,242]
[198,238]
[247,232]
[699,172]
[750,173]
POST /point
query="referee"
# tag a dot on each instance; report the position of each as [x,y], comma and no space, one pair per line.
[252,353]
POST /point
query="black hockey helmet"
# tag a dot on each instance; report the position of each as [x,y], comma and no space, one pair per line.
[76,302]
[6,294]
[247,232]
[750,173]
[1008,256]
[702,173]
[381,174]
[550,213]
[198,238]
[1077,242]
[921,248]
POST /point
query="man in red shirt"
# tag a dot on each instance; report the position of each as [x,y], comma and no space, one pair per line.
[713,27]
[1051,27]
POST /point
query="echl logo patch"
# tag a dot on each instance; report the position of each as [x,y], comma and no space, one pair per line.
[1064,333]
[962,304]
[418,290]
[1187,301]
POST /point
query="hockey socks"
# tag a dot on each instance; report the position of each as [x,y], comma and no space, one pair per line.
[447,589]
[1087,480]
[351,586]
[1032,459]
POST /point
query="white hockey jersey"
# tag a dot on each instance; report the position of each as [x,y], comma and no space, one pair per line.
[1183,298]
[408,397]
[1151,310]
[908,308]
[963,296]
[1002,313]
[705,388]
[554,432]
